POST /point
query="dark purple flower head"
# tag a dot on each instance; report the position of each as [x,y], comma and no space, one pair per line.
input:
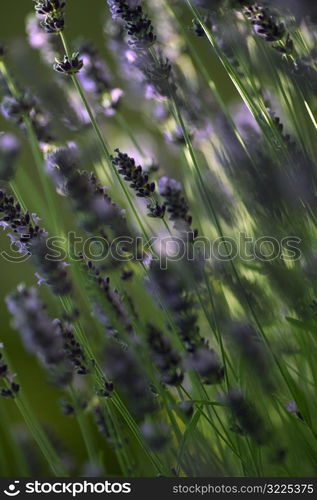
[31,240]
[139,181]
[158,75]
[73,349]
[207,364]
[65,159]
[69,66]
[148,66]
[171,286]
[102,425]
[118,8]
[53,24]
[113,299]
[176,204]
[24,106]
[49,6]
[137,25]
[249,420]
[11,388]
[197,28]
[14,108]
[130,378]
[264,23]
[165,358]
[89,198]
[52,14]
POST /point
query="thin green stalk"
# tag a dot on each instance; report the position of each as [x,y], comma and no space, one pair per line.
[36,152]
[101,139]
[218,433]
[95,378]
[201,185]
[120,446]
[158,465]
[225,357]
[189,430]
[37,432]
[17,194]
[126,127]
[257,109]
[216,220]
[207,77]
[40,437]
[206,197]
[103,143]
[21,467]
[85,428]
[177,114]
[39,161]
[98,374]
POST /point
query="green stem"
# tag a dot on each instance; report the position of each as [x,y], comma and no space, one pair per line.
[17,195]
[202,188]
[36,152]
[37,432]
[120,445]
[207,77]
[40,437]
[103,143]
[218,433]
[98,374]
[257,109]
[125,125]
[85,428]
[39,161]
[20,465]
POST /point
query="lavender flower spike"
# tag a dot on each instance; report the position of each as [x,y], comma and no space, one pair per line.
[52,12]
[139,181]
[40,334]
[176,204]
